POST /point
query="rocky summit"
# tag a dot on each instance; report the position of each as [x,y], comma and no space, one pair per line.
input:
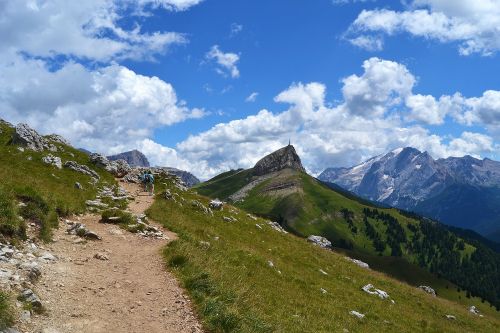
[134,158]
[283,158]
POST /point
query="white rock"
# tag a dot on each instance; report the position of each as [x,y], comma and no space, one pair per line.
[323,272]
[323,291]
[450,317]
[320,241]
[370,289]
[358,262]
[357,314]
[48,257]
[473,309]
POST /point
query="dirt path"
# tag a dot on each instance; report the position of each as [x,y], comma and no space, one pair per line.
[130,292]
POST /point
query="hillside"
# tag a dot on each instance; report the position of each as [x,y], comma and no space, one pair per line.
[462,192]
[307,207]
[245,275]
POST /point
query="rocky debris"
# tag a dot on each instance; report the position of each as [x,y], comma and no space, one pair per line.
[187,178]
[6,123]
[79,229]
[21,149]
[320,241]
[270,264]
[78,186]
[52,160]
[96,204]
[356,314]
[428,290]
[450,317]
[323,291]
[27,137]
[48,257]
[10,330]
[258,226]
[81,169]
[101,256]
[216,204]
[168,195]
[358,262]
[199,206]
[474,310]
[252,217]
[276,226]
[134,158]
[28,296]
[144,229]
[57,139]
[115,193]
[323,272]
[370,289]
[118,168]
[283,158]
[229,219]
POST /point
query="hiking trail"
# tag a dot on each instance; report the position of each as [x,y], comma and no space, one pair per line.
[130,292]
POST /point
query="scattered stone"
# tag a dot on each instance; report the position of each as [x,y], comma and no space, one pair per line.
[27,295]
[358,262]
[357,314]
[252,217]
[323,272]
[96,203]
[34,273]
[258,226]
[29,138]
[370,289]
[81,169]
[57,139]
[320,241]
[119,168]
[216,204]
[48,257]
[450,317]
[323,291]
[101,256]
[270,263]
[52,160]
[229,219]
[428,290]
[473,310]
[78,186]
[276,226]
[201,207]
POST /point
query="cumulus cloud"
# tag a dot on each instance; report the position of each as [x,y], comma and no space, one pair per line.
[108,109]
[226,62]
[369,43]
[85,29]
[471,23]
[252,97]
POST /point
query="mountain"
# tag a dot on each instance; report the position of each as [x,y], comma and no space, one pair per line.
[462,192]
[188,178]
[282,191]
[134,158]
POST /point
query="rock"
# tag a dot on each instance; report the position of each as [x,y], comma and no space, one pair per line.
[99,160]
[323,291]
[52,160]
[186,178]
[283,158]
[323,272]
[370,289]
[27,137]
[57,139]
[473,310]
[358,262]
[96,204]
[320,241]
[252,217]
[25,317]
[101,256]
[216,204]
[48,257]
[27,295]
[34,273]
[81,169]
[276,226]
[78,186]
[10,330]
[450,317]
[428,290]
[91,235]
[201,207]
[258,226]
[270,264]
[118,168]
[357,314]
[229,219]
[134,158]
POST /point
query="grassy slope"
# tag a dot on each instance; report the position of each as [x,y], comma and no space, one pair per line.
[316,211]
[224,266]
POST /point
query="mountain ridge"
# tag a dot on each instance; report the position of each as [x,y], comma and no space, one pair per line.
[412,180]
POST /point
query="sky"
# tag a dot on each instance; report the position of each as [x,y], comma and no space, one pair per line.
[212,85]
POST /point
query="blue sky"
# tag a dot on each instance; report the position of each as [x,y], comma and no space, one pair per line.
[345,80]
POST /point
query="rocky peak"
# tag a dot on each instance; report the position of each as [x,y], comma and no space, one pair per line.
[284,158]
[27,137]
[134,158]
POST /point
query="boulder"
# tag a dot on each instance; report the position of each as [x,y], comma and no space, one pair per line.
[428,290]
[52,160]
[276,226]
[78,186]
[473,310]
[96,204]
[370,289]
[27,137]
[357,314]
[450,317]
[358,262]
[118,168]
[57,139]
[216,204]
[320,241]
[27,295]
[81,169]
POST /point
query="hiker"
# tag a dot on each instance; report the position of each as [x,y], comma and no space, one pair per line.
[149,182]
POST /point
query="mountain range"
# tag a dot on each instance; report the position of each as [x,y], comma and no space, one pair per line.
[462,192]
[134,158]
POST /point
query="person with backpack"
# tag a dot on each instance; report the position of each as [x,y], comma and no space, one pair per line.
[149,182]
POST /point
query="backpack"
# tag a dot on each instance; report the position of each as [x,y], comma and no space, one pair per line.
[149,178]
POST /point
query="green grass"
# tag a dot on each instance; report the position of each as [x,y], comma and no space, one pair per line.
[6,316]
[224,267]
[47,192]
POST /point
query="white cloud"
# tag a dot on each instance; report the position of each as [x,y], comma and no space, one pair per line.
[369,43]
[235,29]
[108,109]
[382,84]
[226,61]
[425,109]
[252,97]
[177,5]
[471,23]
[85,29]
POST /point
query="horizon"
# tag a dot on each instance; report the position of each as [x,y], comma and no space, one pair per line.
[347,81]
